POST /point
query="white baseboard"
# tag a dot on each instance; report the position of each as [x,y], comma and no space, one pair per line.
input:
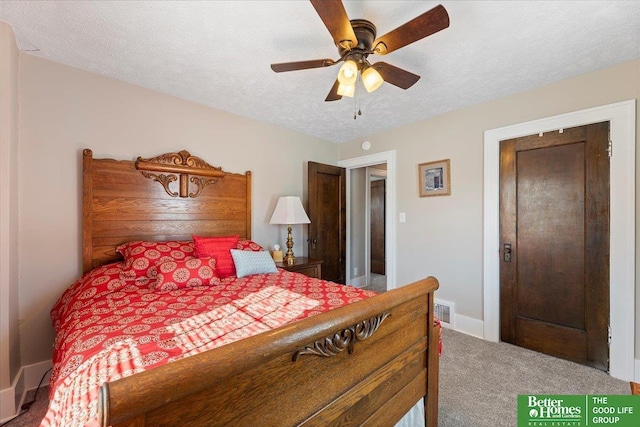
[469,326]
[33,374]
[447,326]
[28,378]
[11,398]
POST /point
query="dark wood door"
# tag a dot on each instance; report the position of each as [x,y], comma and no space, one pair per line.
[328,215]
[378,259]
[554,235]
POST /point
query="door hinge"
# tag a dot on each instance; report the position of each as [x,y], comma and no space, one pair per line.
[610,147]
[609,335]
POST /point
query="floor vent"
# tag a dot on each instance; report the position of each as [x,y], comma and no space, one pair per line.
[445,311]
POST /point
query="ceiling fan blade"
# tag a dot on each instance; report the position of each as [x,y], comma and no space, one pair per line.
[396,76]
[336,20]
[418,28]
[301,65]
[333,93]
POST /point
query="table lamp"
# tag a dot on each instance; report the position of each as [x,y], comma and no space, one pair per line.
[289,211]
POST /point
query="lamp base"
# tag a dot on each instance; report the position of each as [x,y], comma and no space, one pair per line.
[289,259]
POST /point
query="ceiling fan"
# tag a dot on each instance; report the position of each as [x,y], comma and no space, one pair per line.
[356,40]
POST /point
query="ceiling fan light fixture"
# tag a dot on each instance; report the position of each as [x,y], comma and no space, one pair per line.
[347,90]
[348,72]
[356,39]
[371,79]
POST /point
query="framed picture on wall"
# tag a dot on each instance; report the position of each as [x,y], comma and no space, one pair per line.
[434,178]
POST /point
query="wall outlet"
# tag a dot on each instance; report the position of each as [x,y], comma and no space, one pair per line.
[355,271]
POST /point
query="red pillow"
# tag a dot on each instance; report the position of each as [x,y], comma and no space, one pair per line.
[248,245]
[218,248]
[142,257]
[186,274]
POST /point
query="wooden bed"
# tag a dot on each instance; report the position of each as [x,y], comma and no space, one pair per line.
[366,363]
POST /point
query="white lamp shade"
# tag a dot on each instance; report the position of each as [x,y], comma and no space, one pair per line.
[348,72]
[346,90]
[371,79]
[289,211]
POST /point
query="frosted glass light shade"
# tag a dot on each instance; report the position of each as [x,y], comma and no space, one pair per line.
[348,73]
[347,90]
[289,211]
[371,79]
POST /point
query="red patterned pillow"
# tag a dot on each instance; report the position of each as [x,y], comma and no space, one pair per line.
[186,274]
[248,245]
[142,257]
[220,249]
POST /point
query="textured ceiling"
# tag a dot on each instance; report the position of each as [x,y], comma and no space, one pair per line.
[218,53]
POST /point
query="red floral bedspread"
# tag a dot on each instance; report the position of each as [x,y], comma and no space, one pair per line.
[108,329]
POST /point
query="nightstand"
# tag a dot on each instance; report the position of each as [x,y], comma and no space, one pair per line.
[307,266]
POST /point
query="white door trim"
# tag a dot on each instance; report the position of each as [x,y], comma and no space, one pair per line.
[622,117]
[388,157]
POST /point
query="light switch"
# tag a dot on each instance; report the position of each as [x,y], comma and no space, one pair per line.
[403,217]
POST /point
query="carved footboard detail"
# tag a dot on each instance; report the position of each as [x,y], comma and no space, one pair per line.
[345,339]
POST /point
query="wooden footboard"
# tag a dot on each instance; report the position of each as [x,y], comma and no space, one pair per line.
[366,363]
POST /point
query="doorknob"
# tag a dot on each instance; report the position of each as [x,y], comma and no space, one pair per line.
[506,252]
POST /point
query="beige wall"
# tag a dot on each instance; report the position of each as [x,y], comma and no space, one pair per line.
[9,323]
[449,244]
[64,110]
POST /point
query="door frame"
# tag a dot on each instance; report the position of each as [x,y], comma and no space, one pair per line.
[388,157]
[370,172]
[622,117]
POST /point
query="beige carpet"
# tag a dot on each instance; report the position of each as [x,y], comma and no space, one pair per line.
[37,410]
[480,380]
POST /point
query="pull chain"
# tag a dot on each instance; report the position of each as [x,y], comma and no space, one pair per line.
[356,105]
[355,101]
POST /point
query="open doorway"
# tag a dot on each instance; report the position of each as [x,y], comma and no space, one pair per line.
[367,231]
[360,173]
[375,235]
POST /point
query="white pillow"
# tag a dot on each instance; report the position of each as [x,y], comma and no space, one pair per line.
[252,262]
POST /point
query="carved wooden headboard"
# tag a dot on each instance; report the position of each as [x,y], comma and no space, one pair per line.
[168,197]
